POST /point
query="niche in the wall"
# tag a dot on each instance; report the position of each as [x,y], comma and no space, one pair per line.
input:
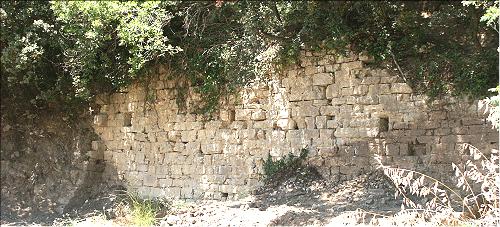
[127,119]
[383,124]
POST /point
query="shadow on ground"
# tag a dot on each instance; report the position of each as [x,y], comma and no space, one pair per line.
[316,201]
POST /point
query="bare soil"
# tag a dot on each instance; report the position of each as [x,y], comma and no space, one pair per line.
[297,198]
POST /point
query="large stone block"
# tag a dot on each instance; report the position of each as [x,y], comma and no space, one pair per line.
[332,91]
[242,114]
[322,79]
[400,88]
[305,111]
[101,119]
[258,115]
[286,124]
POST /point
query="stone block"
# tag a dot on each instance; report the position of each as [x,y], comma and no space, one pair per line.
[331,68]
[212,148]
[322,79]
[262,124]
[174,136]
[351,65]
[332,91]
[286,124]
[193,147]
[149,180]
[392,149]
[305,111]
[101,119]
[329,110]
[333,124]
[310,122]
[401,88]
[360,90]
[321,121]
[227,115]
[188,136]
[242,114]
[310,70]
[258,115]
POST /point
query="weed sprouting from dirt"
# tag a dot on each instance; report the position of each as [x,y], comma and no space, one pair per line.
[291,162]
[144,212]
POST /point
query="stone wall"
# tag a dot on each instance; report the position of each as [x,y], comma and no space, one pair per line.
[341,110]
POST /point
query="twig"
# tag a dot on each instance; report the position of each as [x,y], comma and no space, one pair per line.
[397,65]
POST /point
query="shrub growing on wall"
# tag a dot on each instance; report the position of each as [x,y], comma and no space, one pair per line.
[66,52]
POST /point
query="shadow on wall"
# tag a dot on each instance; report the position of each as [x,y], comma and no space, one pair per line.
[46,169]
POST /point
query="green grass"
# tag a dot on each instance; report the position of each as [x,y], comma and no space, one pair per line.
[144,211]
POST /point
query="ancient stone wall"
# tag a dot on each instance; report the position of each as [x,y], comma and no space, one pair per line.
[341,110]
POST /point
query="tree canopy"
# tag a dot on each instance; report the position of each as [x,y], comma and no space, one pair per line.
[68,51]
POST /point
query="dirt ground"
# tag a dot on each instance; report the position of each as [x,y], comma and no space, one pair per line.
[297,199]
[293,198]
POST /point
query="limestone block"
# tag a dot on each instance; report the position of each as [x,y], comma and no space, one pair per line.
[248,134]
[332,68]
[242,114]
[174,136]
[258,115]
[328,152]
[193,147]
[286,124]
[301,123]
[332,91]
[101,119]
[329,110]
[238,125]
[194,125]
[179,147]
[473,129]
[472,121]
[346,132]
[346,91]
[360,90]
[321,121]
[444,131]
[388,101]
[180,126]
[188,136]
[261,134]
[262,124]
[310,134]
[333,124]
[388,79]
[310,122]
[314,92]
[227,115]
[400,88]
[343,78]
[306,62]
[310,70]
[96,154]
[149,180]
[212,148]
[322,79]
[400,125]
[305,111]
[351,65]
[392,149]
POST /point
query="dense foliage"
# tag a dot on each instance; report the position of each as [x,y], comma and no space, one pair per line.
[66,52]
